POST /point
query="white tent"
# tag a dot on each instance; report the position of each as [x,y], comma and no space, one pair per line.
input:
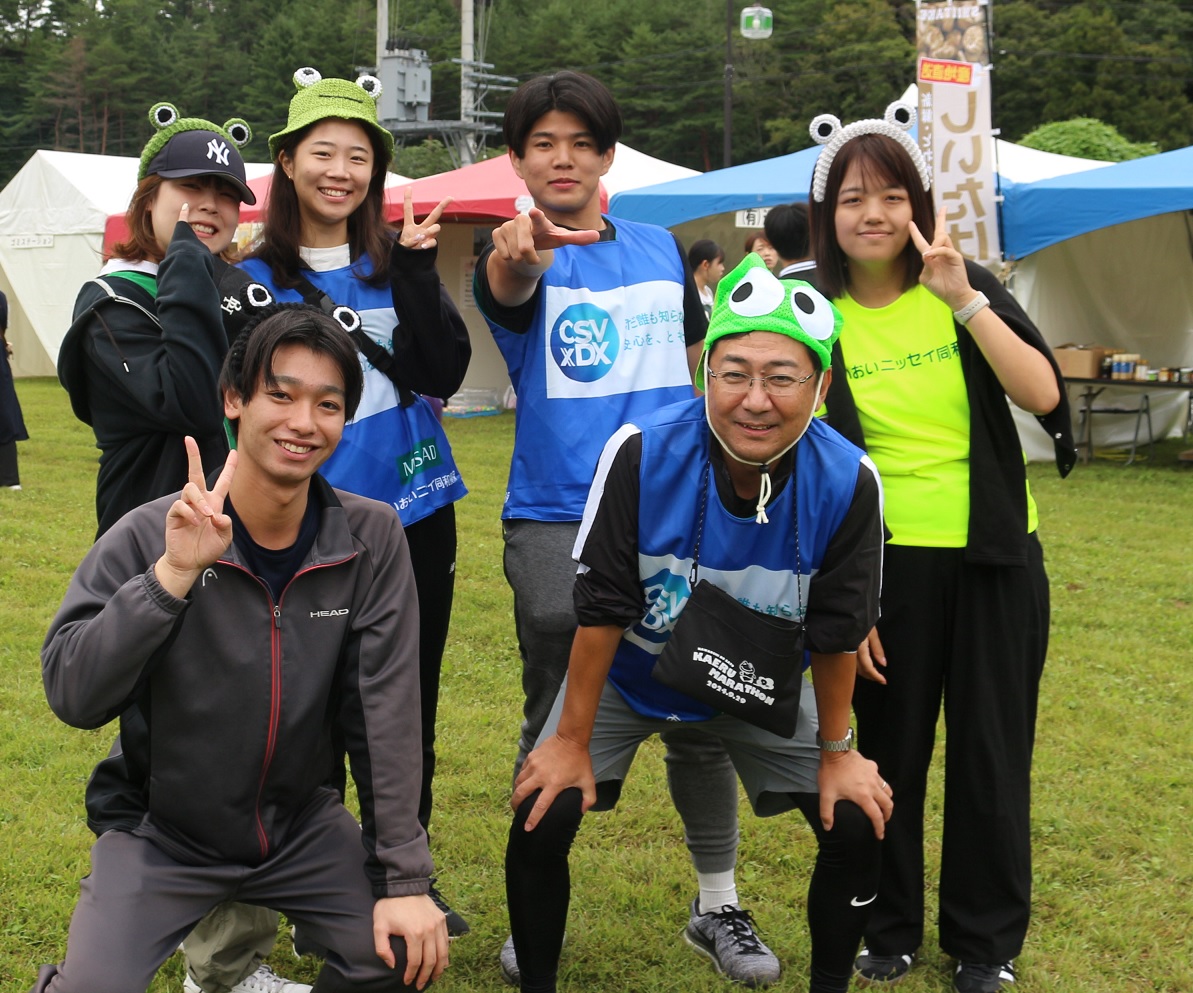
[52,217]
[632,169]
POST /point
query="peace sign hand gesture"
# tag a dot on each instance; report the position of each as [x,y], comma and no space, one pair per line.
[423,235]
[944,267]
[197,530]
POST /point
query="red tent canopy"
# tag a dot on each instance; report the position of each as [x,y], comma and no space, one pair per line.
[483,191]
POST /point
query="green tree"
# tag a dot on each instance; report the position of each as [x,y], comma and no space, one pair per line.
[848,58]
[1086,138]
[1125,64]
[426,158]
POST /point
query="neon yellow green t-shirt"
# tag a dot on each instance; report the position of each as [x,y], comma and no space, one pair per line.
[905,375]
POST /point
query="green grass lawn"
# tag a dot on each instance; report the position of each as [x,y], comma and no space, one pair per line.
[1114,759]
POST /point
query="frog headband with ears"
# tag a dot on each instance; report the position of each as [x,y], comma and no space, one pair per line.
[191,146]
[318,99]
[826,130]
[752,298]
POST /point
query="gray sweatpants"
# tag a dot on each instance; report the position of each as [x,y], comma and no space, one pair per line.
[541,572]
[138,903]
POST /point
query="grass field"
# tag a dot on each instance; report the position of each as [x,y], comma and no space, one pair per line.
[1114,762]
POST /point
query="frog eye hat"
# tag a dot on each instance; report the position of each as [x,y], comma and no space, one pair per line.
[752,298]
[191,146]
[318,99]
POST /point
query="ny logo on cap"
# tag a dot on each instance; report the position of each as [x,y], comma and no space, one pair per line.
[218,150]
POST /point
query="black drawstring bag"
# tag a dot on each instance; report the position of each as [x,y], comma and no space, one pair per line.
[740,661]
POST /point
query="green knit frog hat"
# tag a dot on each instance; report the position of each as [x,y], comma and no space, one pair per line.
[191,146]
[752,298]
[318,99]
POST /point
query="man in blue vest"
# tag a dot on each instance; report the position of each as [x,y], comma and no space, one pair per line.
[777,510]
[599,322]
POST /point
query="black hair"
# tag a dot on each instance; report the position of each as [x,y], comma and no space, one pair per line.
[817,365]
[249,362]
[281,232]
[883,159]
[787,230]
[571,92]
[704,250]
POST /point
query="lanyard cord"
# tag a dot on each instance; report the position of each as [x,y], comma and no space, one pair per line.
[694,573]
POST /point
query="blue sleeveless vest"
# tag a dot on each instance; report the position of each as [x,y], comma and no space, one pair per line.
[606,346]
[756,563]
[398,455]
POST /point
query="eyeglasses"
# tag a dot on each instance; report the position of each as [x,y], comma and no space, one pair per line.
[776,386]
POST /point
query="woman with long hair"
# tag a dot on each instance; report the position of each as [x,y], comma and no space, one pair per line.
[325,240]
[931,349]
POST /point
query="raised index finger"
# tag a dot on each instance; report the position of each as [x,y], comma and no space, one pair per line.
[565,236]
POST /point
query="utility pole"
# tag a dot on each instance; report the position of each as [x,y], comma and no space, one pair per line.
[467,86]
[405,74]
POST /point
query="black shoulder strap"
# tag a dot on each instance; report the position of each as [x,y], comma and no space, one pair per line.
[378,357]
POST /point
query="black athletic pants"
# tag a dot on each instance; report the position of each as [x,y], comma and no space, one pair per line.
[975,636]
[433,561]
[538,888]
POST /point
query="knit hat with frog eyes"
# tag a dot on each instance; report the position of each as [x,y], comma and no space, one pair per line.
[191,146]
[318,99]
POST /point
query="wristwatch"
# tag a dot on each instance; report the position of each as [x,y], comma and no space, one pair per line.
[841,745]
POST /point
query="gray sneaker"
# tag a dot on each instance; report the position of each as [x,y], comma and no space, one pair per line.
[728,939]
[509,963]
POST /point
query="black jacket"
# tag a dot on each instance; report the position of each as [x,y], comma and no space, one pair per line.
[997,478]
[144,371]
[240,698]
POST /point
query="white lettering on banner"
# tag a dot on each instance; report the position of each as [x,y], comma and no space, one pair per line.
[941,12]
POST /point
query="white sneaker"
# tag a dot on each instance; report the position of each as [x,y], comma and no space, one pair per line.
[264,980]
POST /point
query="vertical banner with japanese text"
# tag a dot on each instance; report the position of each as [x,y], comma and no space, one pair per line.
[953,75]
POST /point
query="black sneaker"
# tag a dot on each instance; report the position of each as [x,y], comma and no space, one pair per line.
[881,970]
[456,925]
[975,977]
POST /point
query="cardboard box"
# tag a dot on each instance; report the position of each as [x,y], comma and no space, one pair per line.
[1080,361]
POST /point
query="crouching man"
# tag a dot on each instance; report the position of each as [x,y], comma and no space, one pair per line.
[250,620]
[721,522]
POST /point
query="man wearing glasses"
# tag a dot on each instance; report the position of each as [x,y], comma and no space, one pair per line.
[780,512]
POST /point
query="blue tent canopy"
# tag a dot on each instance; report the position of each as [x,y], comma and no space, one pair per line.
[768,183]
[1034,215]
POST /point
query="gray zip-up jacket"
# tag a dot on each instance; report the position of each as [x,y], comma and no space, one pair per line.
[242,696]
